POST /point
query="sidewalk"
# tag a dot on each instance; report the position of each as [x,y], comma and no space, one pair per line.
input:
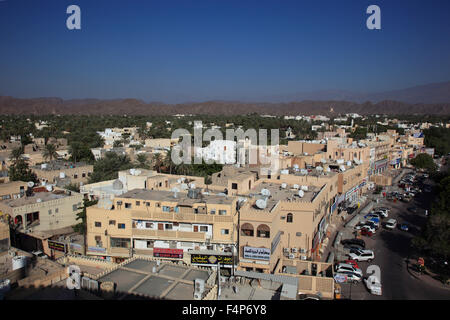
[426,277]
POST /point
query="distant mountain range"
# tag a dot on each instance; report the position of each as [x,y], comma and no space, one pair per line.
[430,93]
[427,99]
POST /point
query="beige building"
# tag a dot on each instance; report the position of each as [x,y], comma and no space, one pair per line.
[151,221]
[44,210]
[63,173]
[12,190]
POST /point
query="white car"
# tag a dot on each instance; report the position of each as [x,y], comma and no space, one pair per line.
[373,285]
[365,226]
[383,212]
[345,267]
[391,224]
[40,254]
[362,255]
[349,276]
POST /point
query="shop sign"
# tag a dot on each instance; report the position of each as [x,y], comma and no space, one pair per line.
[168,253]
[257,253]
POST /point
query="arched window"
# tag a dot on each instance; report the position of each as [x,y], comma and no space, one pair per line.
[247,230]
[289,218]
[263,231]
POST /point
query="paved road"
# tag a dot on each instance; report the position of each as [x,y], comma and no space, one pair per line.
[391,248]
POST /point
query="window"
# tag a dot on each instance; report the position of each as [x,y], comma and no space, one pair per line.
[149,225]
[98,241]
[213,211]
[166,209]
[289,217]
[127,205]
[247,230]
[168,226]
[203,228]
[74,207]
[263,231]
[89,174]
[121,225]
[120,242]
[234,186]
[222,212]
[75,176]
[98,224]
[225,231]
[112,222]
[158,205]
[138,203]
[176,209]
[56,210]
[83,175]
[50,211]
[147,204]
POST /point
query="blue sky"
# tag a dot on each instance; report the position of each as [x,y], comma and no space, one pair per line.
[176,51]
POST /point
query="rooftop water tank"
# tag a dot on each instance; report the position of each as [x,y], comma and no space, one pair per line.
[19,262]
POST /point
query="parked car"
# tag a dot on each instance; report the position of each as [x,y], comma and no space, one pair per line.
[373,223]
[358,242]
[373,285]
[40,254]
[366,232]
[391,224]
[350,276]
[382,212]
[353,246]
[373,216]
[348,267]
[362,255]
[404,227]
[366,226]
[352,262]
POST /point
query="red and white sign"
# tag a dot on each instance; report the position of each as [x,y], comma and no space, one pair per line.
[168,253]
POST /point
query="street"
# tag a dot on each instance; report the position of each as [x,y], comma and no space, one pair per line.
[391,249]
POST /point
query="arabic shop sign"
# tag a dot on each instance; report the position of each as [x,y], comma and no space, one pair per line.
[211,260]
[58,246]
[168,253]
[257,253]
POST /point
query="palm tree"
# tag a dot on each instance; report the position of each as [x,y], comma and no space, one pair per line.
[142,160]
[16,154]
[157,162]
[49,152]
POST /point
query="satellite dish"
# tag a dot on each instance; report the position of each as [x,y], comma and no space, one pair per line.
[323,160]
[283,185]
[342,168]
[265,192]
[319,168]
[184,186]
[305,188]
[49,188]
[179,181]
[192,185]
[30,184]
[301,193]
[328,169]
[349,163]
[296,186]
[261,203]
[175,190]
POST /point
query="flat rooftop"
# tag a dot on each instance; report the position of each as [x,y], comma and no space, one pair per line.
[169,281]
[60,165]
[277,193]
[43,196]
[182,198]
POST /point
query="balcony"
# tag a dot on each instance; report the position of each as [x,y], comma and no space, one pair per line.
[173,216]
[169,235]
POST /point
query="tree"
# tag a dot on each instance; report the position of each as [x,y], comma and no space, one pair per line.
[20,171]
[157,162]
[142,160]
[16,153]
[424,161]
[108,167]
[49,152]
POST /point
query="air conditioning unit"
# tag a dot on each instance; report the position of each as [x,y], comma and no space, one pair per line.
[291,256]
[303,257]
[294,250]
[286,250]
[302,250]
